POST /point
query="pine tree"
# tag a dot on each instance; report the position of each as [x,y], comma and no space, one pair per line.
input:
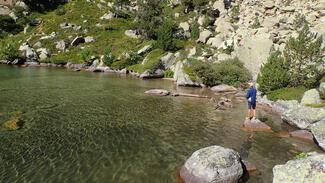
[274,73]
[165,36]
[304,58]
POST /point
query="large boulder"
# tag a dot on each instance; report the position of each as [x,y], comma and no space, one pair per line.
[254,51]
[61,45]
[302,116]
[281,106]
[182,78]
[311,97]
[212,164]
[78,40]
[185,26]
[168,60]
[308,169]
[215,41]
[256,125]
[318,130]
[150,75]
[322,88]
[204,36]
[43,53]
[28,52]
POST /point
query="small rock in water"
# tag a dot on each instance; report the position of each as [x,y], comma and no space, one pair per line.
[256,125]
[302,134]
[249,166]
[224,104]
[159,92]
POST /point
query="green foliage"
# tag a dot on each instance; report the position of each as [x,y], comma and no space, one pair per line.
[132,59]
[287,94]
[151,62]
[60,11]
[234,14]
[85,56]
[191,4]
[229,49]
[108,58]
[168,73]
[301,155]
[256,23]
[300,21]
[231,72]
[321,105]
[8,25]
[9,52]
[165,36]
[148,17]
[304,58]
[195,30]
[273,74]
[43,5]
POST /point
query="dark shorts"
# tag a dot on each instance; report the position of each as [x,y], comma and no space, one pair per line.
[251,105]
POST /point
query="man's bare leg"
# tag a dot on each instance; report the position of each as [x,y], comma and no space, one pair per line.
[248,116]
[254,113]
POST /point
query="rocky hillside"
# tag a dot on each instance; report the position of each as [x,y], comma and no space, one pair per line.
[84,31]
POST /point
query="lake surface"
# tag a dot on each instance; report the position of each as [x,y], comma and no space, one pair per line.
[96,127]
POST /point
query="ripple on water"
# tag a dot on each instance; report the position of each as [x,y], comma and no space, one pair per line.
[84,127]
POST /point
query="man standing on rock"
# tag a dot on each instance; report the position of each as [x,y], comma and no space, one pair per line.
[251,99]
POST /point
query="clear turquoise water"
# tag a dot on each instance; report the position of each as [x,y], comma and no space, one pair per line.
[95,127]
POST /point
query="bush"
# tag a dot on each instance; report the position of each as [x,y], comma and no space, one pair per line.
[60,11]
[273,74]
[231,72]
[85,56]
[165,36]
[8,25]
[304,58]
[195,30]
[133,59]
[168,74]
[287,94]
[108,58]
[10,53]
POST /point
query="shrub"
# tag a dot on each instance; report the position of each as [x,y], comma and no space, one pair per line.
[287,94]
[60,11]
[8,25]
[195,30]
[165,36]
[108,58]
[168,73]
[133,59]
[304,58]
[151,63]
[85,56]
[273,74]
[10,53]
[231,72]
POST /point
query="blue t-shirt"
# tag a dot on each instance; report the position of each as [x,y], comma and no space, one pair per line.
[251,93]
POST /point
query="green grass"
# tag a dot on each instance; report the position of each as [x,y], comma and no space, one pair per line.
[152,62]
[287,94]
[321,105]
[190,72]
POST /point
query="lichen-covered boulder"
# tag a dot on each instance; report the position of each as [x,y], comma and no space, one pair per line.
[311,97]
[318,130]
[302,117]
[281,106]
[308,169]
[212,164]
[322,87]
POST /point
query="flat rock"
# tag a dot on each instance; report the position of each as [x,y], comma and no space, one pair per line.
[223,88]
[302,117]
[159,92]
[302,134]
[212,164]
[318,130]
[256,125]
[249,166]
[308,169]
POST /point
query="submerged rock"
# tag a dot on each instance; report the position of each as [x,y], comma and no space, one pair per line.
[256,125]
[308,169]
[14,123]
[318,130]
[160,92]
[302,117]
[224,104]
[302,134]
[212,164]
